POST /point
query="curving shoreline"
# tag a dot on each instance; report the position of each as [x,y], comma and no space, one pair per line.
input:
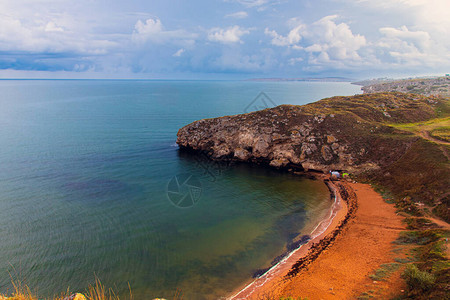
[322,236]
[339,264]
[363,135]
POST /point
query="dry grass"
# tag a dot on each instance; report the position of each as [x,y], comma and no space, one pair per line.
[93,292]
[99,292]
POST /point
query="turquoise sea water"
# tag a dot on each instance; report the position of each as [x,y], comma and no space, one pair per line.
[85,169]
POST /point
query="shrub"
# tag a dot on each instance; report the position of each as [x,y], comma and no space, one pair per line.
[384,271]
[419,223]
[418,281]
[418,237]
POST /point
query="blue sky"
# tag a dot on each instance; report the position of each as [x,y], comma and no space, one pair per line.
[223,39]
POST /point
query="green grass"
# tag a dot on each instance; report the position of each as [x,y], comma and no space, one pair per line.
[418,237]
[441,133]
[403,260]
[419,224]
[384,271]
[418,282]
[424,125]
[428,269]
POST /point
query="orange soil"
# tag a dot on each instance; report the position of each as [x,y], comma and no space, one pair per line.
[273,279]
[341,272]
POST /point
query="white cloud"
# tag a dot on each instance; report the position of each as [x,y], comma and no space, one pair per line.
[328,44]
[337,41]
[292,38]
[227,36]
[33,36]
[150,27]
[51,26]
[179,52]
[368,35]
[324,41]
[431,16]
[251,3]
[237,15]
[411,47]
[152,30]
[419,39]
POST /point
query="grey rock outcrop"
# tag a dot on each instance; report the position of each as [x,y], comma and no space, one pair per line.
[343,133]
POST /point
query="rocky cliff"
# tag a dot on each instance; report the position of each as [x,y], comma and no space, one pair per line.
[343,133]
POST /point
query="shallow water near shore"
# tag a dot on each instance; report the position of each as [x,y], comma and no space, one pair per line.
[86,188]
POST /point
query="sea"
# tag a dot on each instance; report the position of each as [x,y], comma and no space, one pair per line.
[94,187]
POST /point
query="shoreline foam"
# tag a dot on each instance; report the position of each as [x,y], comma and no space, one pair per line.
[337,212]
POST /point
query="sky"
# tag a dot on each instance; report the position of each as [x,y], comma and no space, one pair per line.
[223,39]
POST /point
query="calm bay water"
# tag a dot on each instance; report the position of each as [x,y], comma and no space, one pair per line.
[84,173]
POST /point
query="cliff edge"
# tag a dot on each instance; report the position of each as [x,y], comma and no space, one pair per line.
[339,133]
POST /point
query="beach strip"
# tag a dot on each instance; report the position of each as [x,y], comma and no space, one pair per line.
[363,243]
[274,278]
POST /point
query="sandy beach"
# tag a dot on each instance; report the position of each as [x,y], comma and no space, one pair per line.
[336,263]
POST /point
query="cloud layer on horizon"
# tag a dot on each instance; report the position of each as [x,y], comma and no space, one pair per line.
[250,38]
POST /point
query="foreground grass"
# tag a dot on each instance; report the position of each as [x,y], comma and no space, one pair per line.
[96,291]
[93,292]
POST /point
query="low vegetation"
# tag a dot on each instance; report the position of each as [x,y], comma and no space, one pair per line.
[442,133]
[93,292]
[419,282]
[384,271]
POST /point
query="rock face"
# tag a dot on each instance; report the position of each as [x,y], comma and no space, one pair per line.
[340,133]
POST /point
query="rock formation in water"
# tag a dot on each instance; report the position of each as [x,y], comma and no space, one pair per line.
[339,133]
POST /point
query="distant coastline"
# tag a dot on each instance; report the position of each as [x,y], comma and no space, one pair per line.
[306,79]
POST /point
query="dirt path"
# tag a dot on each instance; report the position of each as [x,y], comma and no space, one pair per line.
[426,135]
[341,272]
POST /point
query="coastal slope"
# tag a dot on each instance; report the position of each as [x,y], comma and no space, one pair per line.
[364,135]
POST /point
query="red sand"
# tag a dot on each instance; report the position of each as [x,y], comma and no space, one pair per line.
[341,271]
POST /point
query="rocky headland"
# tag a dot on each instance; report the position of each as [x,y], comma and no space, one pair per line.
[339,133]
